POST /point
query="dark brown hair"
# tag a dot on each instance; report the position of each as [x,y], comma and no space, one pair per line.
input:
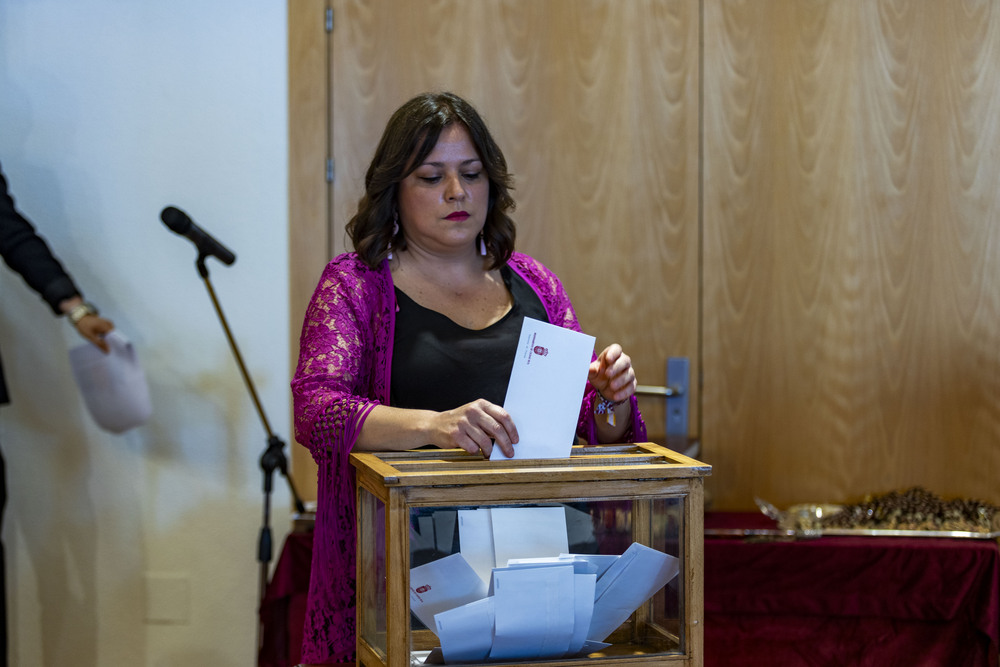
[409,137]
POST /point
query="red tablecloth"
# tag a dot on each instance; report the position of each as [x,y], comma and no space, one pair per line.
[837,601]
[284,605]
[849,600]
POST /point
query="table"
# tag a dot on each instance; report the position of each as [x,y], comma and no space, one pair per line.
[830,601]
[848,600]
[284,606]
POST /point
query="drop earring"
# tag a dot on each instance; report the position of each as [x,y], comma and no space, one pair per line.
[482,244]
[395,230]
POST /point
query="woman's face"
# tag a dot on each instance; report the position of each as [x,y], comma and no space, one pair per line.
[443,202]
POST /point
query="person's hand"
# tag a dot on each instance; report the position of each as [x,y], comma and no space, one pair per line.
[612,374]
[93,328]
[476,427]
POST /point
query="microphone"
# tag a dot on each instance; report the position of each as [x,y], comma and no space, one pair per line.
[179,223]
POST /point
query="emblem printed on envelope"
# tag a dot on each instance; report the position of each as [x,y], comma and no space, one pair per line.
[541,351]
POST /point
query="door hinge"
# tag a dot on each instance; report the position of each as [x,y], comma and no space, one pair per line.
[329,170]
[329,19]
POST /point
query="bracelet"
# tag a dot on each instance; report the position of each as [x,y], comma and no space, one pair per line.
[606,407]
[80,311]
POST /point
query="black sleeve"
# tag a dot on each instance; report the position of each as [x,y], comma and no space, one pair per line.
[28,254]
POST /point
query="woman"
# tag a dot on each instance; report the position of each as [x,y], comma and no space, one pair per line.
[410,340]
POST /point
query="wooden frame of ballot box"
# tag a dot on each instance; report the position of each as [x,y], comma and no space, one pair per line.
[646,490]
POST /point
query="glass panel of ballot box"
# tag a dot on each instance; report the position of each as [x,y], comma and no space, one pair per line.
[593,559]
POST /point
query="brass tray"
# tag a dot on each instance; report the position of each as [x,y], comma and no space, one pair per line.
[806,521]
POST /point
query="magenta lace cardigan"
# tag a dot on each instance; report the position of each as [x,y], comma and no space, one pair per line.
[345,357]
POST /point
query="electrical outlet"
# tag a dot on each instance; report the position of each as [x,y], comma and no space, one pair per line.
[168,598]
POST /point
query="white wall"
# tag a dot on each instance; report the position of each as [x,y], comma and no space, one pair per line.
[109,111]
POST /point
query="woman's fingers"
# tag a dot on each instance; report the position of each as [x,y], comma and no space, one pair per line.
[612,374]
[478,426]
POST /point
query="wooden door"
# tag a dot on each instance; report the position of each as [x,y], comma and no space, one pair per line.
[595,105]
[801,197]
[852,249]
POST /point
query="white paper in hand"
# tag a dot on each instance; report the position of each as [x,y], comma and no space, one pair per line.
[113,385]
[546,389]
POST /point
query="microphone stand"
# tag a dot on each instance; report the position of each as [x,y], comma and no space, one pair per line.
[273,457]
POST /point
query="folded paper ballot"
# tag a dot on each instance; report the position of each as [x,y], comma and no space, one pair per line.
[113,385]
[540,607]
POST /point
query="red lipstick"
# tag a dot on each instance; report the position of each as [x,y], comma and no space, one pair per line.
[457,215]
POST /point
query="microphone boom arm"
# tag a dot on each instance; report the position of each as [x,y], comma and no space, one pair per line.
[273,457]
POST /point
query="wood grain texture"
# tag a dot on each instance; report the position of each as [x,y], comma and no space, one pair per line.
[842,254]
[308,198]
[852,281]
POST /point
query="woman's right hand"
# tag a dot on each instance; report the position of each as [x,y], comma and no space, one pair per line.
[476,427]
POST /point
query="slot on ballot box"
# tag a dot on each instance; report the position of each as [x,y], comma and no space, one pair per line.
[593,559]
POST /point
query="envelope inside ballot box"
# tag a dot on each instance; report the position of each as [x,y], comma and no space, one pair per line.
[545,603]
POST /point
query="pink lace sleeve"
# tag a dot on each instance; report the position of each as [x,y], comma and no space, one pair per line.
[342,357]
[341,375]
[560,312]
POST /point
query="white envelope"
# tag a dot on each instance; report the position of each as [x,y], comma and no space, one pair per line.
[475,539]
[489,537]
[528,532]
[466,632]
[583,611]
[535,612]
[546,389]
[599,563]
[113,385]
[630,581]
[441,585]
[580,565]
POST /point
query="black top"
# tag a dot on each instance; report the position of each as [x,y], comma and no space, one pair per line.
[440,365]
[27,253]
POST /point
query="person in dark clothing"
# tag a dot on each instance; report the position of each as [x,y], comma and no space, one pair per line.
[24,251]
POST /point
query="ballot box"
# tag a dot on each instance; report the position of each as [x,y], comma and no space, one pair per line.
[594,559]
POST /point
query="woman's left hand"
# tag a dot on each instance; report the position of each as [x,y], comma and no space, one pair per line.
[612,374]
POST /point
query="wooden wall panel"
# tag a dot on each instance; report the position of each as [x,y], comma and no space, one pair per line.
[845,251]
[594,103]
[308,190]
[852,249]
